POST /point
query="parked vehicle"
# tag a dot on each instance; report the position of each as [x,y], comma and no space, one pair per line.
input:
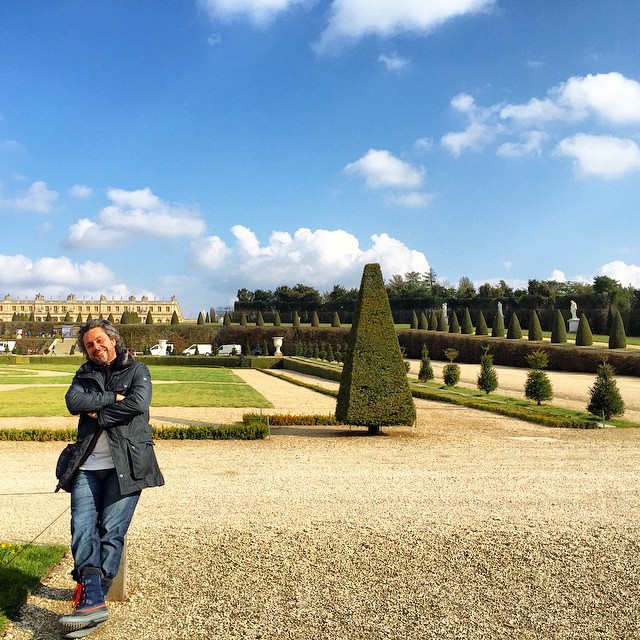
[163,348]
[6,346]
[229,350]
[198,349]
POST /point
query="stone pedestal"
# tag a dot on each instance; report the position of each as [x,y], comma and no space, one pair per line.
[573,324]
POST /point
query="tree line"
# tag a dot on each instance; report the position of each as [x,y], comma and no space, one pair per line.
[413,291]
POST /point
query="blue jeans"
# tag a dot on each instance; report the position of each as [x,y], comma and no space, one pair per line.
[100,517]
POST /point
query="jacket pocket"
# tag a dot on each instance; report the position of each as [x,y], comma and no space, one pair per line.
[140,458]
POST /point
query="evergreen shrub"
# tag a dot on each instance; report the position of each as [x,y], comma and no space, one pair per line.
[584,337]
[374,390]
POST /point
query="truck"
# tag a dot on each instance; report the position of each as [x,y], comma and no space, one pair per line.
[198,349]
[229,350]
[163,348]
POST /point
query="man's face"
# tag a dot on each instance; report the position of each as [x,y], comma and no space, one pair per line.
[100,348]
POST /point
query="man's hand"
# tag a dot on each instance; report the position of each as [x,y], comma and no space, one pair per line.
[93,414]
[119,397]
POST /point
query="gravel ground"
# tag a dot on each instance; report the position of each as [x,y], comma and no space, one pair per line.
[469,525]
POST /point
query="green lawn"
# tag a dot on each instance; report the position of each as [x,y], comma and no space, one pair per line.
[21,568]
[194,387]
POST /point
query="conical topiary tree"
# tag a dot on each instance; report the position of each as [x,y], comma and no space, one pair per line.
[514,331]
[467,325]
[207,318]
[609,322]
[488,376]
[67,317]
[243,319]
[538,386]
[497,328]
[200,319]
[79,318]
[296,319]
[442,324]
[481,325]
[48,318]
[423,322]
[433,320]
[276,319]
[226,320]
[315,321]
[414,320]
[454,325]
[149,319]
[335,322]
[259,319]
[374,390]
[426,369]
[535,328]
[605,399]
[558,328]
[584,336]
[111,318]
[174,318]
[617,336]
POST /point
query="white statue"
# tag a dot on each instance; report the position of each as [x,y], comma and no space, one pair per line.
[574,309]
[444,310]
[500,309]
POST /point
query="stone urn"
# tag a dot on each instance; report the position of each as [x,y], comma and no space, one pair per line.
[277,343]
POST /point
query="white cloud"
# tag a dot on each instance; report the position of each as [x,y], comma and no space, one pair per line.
[603,156]
[80,191]
[381,169]
[609,96]
[414,199]
[558,276]
[475,136]
[133,215]
[479,132]
[260,12]
[38,199]
[625,274]
[54,276]
[393,62]
[353,19]
[423,144]
[534,111]
[210,252]
[320,258]
[531,144]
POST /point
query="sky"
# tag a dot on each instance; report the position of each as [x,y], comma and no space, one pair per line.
[197,147]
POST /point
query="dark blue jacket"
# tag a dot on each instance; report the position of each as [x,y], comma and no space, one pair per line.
[126,423]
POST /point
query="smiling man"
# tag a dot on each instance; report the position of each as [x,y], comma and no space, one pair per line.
[111,394]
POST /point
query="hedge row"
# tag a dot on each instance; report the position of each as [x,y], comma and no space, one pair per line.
[247,431]
[513,353]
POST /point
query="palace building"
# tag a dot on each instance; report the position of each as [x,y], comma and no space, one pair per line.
[161,310]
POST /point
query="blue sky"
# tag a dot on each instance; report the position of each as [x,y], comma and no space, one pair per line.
[195,147]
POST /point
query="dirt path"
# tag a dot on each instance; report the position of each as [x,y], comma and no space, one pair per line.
[469,525]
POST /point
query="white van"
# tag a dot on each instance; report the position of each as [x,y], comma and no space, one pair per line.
[229,350]
[6,346]
[198,349]
[163,348]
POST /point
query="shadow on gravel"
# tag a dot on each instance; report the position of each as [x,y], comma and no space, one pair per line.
[319,432]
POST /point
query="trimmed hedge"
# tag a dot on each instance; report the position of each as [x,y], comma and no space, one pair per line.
[512,353]
[374,391]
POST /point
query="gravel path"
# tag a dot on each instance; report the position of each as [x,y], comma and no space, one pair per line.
[468,526]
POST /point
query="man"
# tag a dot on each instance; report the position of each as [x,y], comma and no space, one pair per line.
[111,393]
